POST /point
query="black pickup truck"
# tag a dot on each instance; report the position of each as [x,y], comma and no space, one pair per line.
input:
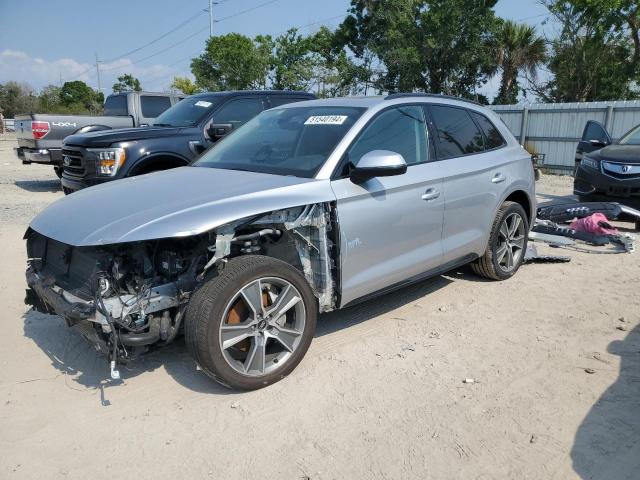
[40,135]
[174,139]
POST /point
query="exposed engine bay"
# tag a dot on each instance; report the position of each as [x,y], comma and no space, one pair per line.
[128,298]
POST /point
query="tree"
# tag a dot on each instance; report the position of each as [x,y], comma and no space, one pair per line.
[440,46]
[335,73]
[185,85]
[292,62]
[588,62]
[127,83]
[231,62]
[519,50]
[16,98]
[78,97]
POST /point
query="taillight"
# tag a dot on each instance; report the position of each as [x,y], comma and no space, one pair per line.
[39,129]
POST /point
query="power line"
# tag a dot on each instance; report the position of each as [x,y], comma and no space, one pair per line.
[164,35]
[159,52]
[242,12]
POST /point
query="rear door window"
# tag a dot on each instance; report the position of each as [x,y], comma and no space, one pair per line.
[238,111]
[492,136]
[116,106]
[152,105]
[457,133]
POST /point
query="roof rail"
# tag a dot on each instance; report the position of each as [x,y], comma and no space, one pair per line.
[431,95]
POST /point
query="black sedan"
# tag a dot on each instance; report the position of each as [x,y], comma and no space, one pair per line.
[608,171]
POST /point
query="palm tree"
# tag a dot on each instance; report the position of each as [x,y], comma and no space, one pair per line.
[519,50]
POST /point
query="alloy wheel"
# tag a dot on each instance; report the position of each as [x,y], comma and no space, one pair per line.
[511,238]
[262,326]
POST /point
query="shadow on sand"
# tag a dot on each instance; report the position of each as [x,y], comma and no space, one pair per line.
[74,356]
[607,443]
[39,185]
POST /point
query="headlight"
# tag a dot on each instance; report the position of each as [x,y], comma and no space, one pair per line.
[590,163]
[109,160]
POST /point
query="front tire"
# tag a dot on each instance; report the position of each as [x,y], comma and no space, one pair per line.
[507,244]
[251,325]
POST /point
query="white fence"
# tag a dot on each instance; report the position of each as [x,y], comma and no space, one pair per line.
[554,129]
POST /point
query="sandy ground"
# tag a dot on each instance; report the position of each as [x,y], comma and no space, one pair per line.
[380,395]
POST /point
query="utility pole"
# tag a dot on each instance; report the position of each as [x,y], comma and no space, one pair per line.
[211,18]
[98,71]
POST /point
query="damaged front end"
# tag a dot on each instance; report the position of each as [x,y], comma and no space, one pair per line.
[127,298]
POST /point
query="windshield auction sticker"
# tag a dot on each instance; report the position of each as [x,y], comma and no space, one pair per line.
[202,103]
[326,120]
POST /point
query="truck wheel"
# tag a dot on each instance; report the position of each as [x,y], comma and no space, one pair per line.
[58,171]
[507,244]
[251,325]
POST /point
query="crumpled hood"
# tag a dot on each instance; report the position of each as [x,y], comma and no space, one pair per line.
[618,153]
[172,203]
[106,138]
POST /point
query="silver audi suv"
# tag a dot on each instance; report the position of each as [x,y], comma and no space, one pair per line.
[308,208]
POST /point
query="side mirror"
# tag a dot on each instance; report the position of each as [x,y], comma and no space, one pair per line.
[378,163]
[598,143]
[216,131]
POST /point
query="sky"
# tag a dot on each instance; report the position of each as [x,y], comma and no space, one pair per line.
[48,42]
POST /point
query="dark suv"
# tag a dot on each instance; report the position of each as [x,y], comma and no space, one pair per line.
[175,138]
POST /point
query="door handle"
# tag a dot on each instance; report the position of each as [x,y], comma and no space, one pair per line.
[430,194]
[498,178]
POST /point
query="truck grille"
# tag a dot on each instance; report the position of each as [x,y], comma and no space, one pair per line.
[72,163]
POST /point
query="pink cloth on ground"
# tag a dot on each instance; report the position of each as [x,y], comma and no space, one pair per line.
[591,224]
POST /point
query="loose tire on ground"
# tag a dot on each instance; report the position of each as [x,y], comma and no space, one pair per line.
[206,313]
[488,265]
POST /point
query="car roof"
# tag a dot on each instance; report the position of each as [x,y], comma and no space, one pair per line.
[228,93]
[377,100]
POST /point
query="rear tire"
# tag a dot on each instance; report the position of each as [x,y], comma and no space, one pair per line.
[259,358]
[507,244]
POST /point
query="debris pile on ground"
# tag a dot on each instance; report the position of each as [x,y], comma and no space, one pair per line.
[589,225]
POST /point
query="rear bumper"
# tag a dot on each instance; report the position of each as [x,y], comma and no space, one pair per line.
[600,187]
[45,156]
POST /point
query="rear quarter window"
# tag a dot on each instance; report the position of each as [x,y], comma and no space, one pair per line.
[152,106]
[493,139]
[116,106]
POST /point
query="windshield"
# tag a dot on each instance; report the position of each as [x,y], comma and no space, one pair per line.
[187,112]
[631,138]
[289,141]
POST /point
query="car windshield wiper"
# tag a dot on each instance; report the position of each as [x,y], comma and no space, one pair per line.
[162,125]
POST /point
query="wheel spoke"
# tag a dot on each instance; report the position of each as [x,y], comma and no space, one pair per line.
[504,230]
[515,223]
[232,334]
[284,302]
[287,337]
[509,258]
[256,357]
[252,295]
[501,252]
[518,242]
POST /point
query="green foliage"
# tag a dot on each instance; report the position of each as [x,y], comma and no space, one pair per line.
[185,85]
[231,62]
[127,83]
[16,98]
[589,60]
[520,51]
[79,97]
[440,46]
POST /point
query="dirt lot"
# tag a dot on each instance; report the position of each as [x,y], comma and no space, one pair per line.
[380,395]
